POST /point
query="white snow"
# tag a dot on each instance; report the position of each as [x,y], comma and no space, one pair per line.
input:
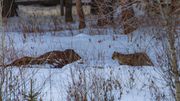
[96,52]
[95,46]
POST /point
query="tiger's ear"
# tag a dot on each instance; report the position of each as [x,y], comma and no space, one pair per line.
[120,63]
[114,52]
[69,50]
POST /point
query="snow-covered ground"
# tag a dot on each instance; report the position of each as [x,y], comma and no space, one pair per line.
[95,46]
[136,83]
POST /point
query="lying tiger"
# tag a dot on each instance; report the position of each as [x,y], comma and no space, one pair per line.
[55,58]
[136,59]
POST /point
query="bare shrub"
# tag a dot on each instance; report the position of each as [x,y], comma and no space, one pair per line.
[94,87]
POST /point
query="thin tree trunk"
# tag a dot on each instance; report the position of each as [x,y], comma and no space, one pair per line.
[62,7]
[94,8]
[80,13]
[68,9]
[172,39]
[9,8]
[1,50]
[173,55]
